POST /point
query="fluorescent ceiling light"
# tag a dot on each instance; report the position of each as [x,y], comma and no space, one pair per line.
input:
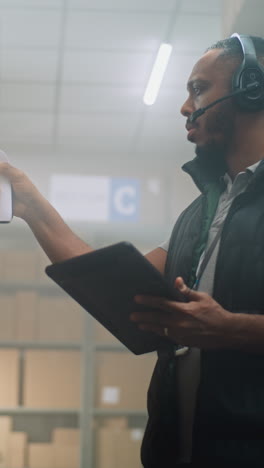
[157,74]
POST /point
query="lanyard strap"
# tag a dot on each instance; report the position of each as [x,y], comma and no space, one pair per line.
[207,255]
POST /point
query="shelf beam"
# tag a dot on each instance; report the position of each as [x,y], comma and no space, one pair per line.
[40,345]
[25,410]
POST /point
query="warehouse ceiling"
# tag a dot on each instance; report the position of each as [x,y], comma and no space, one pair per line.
[73,73]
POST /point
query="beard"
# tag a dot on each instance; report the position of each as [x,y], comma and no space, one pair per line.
[213,154]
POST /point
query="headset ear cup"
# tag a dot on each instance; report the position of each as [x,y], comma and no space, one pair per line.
[254,99]
[248,72]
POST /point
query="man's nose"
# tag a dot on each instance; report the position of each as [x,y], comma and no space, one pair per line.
[187,108]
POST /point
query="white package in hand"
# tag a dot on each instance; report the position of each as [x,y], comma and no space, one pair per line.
[6,210]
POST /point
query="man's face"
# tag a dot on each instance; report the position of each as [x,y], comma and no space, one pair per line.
[210,80]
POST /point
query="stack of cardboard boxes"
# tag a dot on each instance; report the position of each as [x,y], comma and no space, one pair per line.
[20,265]
[27,314]
[62,452]
[12,445]
[117,445]
[121,384]
[9,378]
[15,452]
[52,379]
[122,381]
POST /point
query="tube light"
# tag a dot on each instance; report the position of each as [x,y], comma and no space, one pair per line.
[157,74]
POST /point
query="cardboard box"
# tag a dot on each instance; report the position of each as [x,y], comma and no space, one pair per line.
[128,448]
[52,379]
[42,261]
[7,318]
[26,314]
[66,456]
[103,336]
[59,319]
[19,265]
[2,264]
[5,429]
[105,449]
[118,448]
[16,453]
[116,423]
[40,456]
[122,379]
[9,377]
[66,436]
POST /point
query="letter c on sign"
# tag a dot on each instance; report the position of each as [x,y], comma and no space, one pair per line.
[123,200]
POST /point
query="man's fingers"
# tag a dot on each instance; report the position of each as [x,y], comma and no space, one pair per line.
[158,330]
[151,317]
[189,293]
[161,303]
[5,166]
[9,171]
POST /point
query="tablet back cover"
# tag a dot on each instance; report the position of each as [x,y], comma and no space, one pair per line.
[105,281]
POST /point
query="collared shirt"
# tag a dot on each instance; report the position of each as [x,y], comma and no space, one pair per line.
[233,189]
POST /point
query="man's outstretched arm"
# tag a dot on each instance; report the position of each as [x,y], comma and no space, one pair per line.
[54,236]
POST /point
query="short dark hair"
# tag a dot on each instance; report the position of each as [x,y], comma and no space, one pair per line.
[231,47]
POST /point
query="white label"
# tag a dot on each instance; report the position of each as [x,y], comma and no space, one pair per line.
[154,186]
[111,395]
[136,434]
[81,198]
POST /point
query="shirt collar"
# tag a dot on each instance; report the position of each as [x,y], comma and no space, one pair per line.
[253,167]
[203,173]
[250,170]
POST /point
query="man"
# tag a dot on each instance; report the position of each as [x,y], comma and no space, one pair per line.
[217,247]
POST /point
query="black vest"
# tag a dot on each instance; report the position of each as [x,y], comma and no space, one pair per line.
[229,419]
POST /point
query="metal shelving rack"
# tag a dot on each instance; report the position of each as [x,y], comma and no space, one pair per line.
[87,412]
[45,289]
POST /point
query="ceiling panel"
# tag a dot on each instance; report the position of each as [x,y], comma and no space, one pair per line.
[116,30]
[18,4]
[150,5]
[29,65]
[27,97]
[26,127]
[73,73]
[101,134]
[204,7]
[29,28]
[195,33]
[121,126]
[82,98]
[107,67]
[108,150]
[178,71]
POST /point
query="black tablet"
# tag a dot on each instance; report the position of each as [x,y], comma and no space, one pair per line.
[105,282]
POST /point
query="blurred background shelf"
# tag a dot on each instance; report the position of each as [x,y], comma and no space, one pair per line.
[39,411]
[40,345]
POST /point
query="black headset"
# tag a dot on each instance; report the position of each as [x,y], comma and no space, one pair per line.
[248,72]
[247,82]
